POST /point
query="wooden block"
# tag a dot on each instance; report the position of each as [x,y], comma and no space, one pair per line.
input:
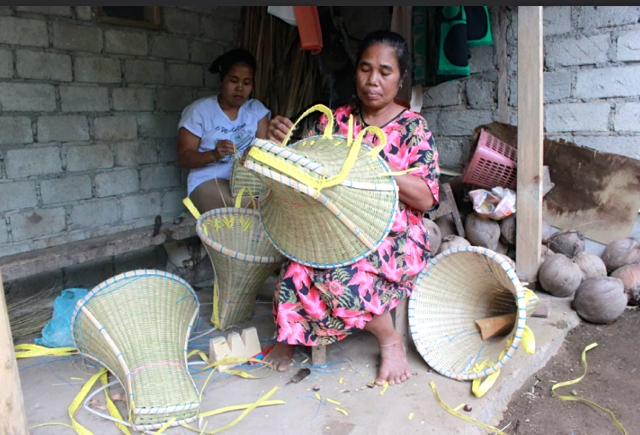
[235,345]
[318,355]
[543,308]
[492,326]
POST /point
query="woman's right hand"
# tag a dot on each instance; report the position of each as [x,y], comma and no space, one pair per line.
[278,129]
[225,148]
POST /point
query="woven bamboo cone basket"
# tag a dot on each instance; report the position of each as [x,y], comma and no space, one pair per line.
[137,325]
[241,178]
[458,287]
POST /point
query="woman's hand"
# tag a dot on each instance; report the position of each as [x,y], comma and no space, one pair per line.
[278,129]
[225,148]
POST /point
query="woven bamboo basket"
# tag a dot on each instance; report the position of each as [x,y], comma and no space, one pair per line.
[458,287]
[330,200]
[137,325]
[242,178]
[242,257]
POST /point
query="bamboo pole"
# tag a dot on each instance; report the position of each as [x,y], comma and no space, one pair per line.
[14,419]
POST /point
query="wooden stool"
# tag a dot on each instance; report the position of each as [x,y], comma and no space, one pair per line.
[448,207]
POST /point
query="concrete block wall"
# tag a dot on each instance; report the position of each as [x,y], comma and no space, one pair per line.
[88,114]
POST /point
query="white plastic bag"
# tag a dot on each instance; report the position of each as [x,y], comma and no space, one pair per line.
[496,205]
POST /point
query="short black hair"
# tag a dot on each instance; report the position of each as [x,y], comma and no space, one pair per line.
[393,40]
[223,64]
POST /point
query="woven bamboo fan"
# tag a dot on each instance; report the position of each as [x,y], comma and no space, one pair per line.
[457,288]
[242,178]
[330,200]
[242,258]
[137,325]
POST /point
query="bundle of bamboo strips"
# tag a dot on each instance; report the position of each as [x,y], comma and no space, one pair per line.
[29,315]
[287,80]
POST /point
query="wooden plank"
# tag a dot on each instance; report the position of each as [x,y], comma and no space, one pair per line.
[318,355]
[44,260]
[503,73]
[492,326]
[530,142]
[14,419]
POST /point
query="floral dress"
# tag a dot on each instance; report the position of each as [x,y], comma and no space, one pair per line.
[321,306]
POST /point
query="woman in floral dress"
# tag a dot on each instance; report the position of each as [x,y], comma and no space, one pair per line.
[321,306]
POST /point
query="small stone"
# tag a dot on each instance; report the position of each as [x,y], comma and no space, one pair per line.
[467,408]
[316,388]
[574,393]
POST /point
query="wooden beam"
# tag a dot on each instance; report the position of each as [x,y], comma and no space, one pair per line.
[14,419]
[501,56]
[530,142]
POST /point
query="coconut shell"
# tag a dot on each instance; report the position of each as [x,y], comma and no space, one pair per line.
[600,300]
[446,225]
[481,231]
[502,248]
[434,234]
[451,242]
[508,230]
[569,243]
[547,231]
[545,253]
[620,253]
[559,276]
[590,264]
[630,277]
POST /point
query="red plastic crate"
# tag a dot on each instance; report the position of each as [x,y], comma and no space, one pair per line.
[493,164]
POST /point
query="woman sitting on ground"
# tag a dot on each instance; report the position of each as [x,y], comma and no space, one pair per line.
[214,129]
[321,306]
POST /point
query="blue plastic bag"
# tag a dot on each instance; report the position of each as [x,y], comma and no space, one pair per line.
[57,333]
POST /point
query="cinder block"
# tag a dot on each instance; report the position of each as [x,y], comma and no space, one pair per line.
[181,22]
[116,182]
[445,94]
[43,66]
[168,150]
[88,274]
[556,20]
[6,64]
[84,99]
[462,122]
[623,145]
[63,11]
[577,51]
[95,213]
[144,71]
[174,100]
[211,83]
[23,31]
[172,202]
[146,258]
[4,233]
[204,52]
[27,97]
[141,206]
[87,157]
[232,12]
[481,59]
[627,118]
[154,125]
[557,86]
[628,46]
[120,127]
[126,42]
[577,117]
[452,153]
[42,222]
[606,16]
[66,128]
[22,163]
[97,69]
[135,153]
[181,74]
[170,48]
[481,93]
[219,28]
[135,99]
[77,38]
[431,116]
[159,177]
[15,195]
[15,130]
[608,82]
[65,189]
[84,13]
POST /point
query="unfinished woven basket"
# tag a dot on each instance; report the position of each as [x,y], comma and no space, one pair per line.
[137,325]
[242,178]
[330,200]
[458,287]
[242,258]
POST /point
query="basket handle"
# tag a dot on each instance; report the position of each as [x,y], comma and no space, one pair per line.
[328,131]
[238,203]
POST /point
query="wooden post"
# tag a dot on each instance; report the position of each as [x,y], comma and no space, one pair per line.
[14,419]
[501,55]
[530,142]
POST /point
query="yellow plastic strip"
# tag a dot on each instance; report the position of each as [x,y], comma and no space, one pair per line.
[528,341]
[328,131]
[239,408]
[113,410]
[51,424]
[33,350]
[342,411]
[191,207]
[384,388]
[81,430]
[464,417]
[165,426]
[579,399]
[333,401]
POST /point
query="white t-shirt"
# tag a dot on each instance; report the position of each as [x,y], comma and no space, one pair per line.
[205,119]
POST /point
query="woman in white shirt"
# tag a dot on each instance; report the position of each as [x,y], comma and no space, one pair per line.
[214,129]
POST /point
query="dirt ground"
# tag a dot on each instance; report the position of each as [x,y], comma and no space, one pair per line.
[612,381]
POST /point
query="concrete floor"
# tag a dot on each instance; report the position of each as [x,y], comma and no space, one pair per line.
[49,388]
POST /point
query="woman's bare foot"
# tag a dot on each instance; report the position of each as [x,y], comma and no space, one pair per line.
[394,367]
[280,356]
